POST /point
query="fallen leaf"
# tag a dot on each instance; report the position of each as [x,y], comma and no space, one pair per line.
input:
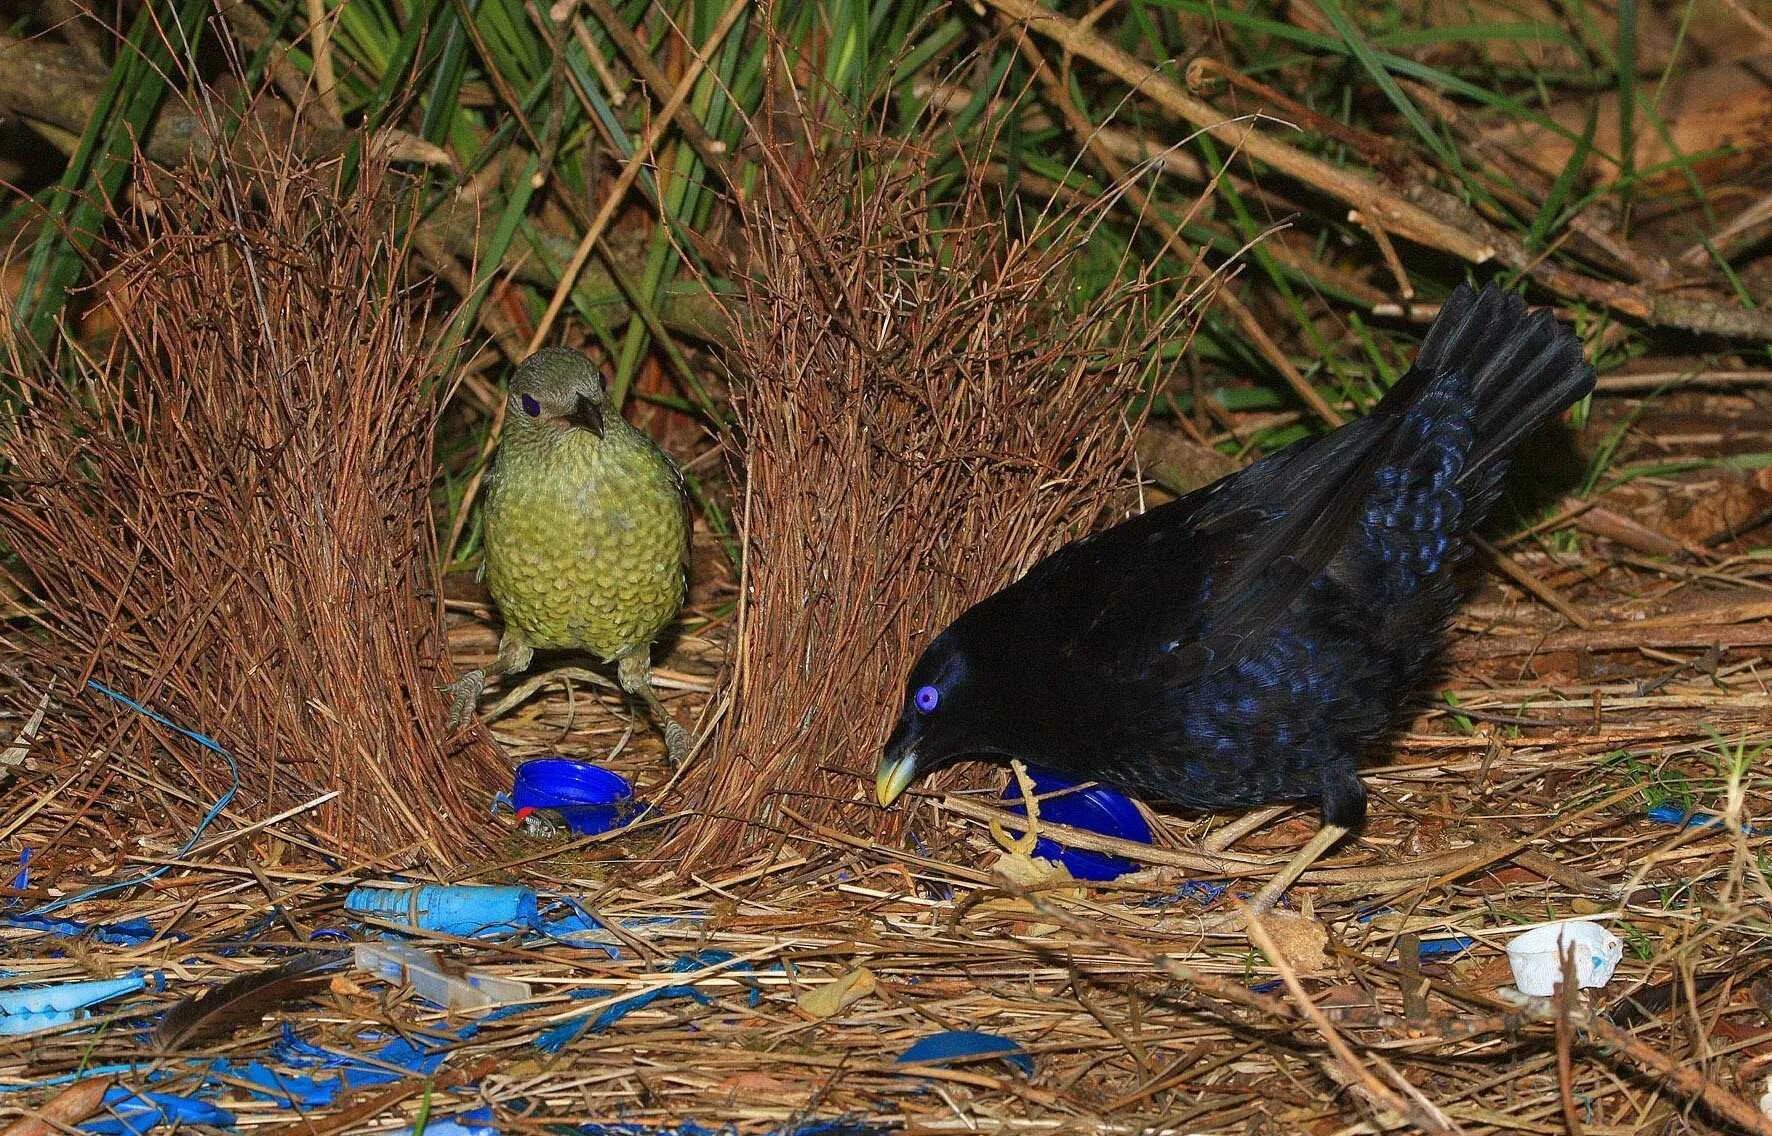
[1302,941]
[838,994]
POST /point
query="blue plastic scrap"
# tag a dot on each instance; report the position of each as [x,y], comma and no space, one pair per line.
[38,1008]
[1436,948]
[19,1025]
[123,933]
[453,909]
[133,1113]
[967,1045]
[1670,813]
[1196,891]
[558,1037]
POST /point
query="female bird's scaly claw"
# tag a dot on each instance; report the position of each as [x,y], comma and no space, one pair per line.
[464,696]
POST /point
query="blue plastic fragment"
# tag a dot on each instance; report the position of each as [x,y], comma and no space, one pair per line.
[1670,813]
[19,1025]
[454,909]
[588,797]
[1430,948]
[132,1113]
[66,996]
[1097,808]
[1198,891]
[1457,944]
[966,1045]
[582,930]
[557,1037]
[23,879]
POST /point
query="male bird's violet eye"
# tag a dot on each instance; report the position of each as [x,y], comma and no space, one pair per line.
[530,406]
[927,698]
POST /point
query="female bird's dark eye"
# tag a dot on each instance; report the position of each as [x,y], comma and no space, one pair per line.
[927,698]
[530,406]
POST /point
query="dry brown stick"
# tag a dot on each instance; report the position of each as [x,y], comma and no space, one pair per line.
[1681,1076]
[1202,69]
[1417,1109]
[1623,638]
[631,172]
[1378,205]
[1117,170]
[1565,1038]
[1422,214]
[711,151]
[1512,570]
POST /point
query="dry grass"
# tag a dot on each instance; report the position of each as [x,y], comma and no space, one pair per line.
[227,518]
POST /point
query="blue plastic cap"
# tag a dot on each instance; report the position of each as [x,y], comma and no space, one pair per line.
[1097,808]
[590,798]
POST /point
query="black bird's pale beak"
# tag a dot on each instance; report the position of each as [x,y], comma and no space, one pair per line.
[587,414]
[894,775]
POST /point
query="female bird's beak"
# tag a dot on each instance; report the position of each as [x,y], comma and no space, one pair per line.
[894,775]
[587,415]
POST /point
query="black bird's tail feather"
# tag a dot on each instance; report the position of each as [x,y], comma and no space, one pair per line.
[1523,369]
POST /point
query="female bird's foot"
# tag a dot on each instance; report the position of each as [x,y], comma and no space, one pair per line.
[678,741]
[464,695]
[635,674]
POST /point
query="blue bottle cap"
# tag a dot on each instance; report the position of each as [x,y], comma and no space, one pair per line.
[590,798]
[1097,808]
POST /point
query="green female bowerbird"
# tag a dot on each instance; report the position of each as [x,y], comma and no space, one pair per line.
[586,534]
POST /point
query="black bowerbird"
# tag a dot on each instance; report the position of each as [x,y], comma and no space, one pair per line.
[1251,641]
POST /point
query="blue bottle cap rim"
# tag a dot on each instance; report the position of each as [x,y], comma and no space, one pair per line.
[565,783]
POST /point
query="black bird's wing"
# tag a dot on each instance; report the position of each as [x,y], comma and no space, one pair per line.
[1191,586]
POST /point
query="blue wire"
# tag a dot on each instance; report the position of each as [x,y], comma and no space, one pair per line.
[208,817]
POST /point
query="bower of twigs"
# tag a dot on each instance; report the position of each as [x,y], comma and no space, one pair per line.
[226,518]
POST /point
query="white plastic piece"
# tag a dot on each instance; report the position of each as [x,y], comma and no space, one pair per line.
[451,986]
[1538,966]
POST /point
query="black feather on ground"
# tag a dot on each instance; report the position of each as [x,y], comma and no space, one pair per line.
[246,1000]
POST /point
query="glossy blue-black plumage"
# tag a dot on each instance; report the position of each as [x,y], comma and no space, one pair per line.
[1248,642]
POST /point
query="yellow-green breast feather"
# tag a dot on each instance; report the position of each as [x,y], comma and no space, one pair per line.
[586,539]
